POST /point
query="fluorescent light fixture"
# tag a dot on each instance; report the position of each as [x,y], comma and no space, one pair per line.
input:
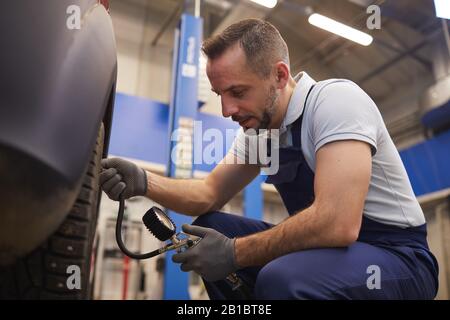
[442,8]
[266,3]
[340,29]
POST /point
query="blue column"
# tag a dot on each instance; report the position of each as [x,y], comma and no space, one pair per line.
[183,111]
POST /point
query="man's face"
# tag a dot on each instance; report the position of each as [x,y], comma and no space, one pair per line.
[246,97]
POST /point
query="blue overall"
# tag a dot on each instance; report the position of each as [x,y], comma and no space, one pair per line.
[405,267]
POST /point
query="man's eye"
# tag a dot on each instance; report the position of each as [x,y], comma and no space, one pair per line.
[238,94]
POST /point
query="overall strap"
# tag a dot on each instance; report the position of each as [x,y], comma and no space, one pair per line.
[297,125]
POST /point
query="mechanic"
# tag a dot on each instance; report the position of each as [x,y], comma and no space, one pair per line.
[352,209]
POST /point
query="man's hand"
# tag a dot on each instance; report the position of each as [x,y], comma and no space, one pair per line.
[121,176]
[212,257]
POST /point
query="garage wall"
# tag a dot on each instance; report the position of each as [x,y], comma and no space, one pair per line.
[401,113]
[143,70]
[437,213]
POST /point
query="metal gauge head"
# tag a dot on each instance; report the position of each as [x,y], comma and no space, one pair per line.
[159,224]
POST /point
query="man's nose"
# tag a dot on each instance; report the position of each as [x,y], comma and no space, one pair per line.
[228,108]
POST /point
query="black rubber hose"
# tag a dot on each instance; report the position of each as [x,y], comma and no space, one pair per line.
[138,256]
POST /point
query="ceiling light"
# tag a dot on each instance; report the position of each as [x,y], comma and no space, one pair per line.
[442,8]
[266,3]
[340,29]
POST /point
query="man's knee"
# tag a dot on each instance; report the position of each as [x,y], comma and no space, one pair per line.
[230,225]
[216,220]
[213,219]
[206,220]
[288,277]
[274,282]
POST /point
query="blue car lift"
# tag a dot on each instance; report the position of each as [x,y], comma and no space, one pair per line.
[183,111]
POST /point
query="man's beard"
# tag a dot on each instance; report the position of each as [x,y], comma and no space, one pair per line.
[269,109]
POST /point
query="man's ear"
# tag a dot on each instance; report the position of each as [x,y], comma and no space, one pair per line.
[282,74]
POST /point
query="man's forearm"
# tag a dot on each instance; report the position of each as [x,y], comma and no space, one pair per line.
[188,196]
[305,230]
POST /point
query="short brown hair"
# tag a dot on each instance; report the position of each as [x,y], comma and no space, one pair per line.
[260,40]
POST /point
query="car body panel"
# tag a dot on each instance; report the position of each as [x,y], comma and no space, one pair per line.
[55,82]
[57,85]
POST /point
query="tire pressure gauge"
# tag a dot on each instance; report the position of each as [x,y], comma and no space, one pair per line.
[159,224]
[164,229]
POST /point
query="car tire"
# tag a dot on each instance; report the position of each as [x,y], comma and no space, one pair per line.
[61,267]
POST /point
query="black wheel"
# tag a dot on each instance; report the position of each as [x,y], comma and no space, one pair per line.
[159,224]
[46,272]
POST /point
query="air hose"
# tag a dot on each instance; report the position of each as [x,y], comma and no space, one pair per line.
[163,228]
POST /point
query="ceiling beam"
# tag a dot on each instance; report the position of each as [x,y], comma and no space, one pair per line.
[400,56]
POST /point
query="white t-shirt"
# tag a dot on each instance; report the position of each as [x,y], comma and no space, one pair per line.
[338,109]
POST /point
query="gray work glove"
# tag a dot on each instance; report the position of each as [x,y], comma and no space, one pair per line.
[212,257]
[121,176]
